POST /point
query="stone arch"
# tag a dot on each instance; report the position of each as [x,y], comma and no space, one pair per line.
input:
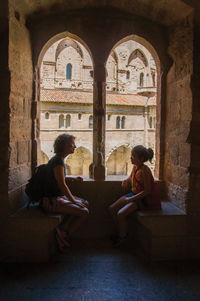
[43,158]
[130,146]
[118,163]
[159,149]
[79,162]
[70,39]
[115,57]
[138,53]
[68,42]
[58,37]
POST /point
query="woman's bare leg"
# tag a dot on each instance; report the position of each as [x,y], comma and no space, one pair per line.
[77,216]
[122,217]
[114,208]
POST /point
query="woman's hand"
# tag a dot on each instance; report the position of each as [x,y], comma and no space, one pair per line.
[79,179]
[72,179]
[125,185]
[79,203]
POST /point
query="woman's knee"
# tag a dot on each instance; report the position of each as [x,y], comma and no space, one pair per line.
[86,203]
[120,215]
[111,209]
[84,212]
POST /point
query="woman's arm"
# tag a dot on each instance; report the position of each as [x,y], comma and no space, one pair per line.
[126,184]
[146,174]
[73,179]
[60,178]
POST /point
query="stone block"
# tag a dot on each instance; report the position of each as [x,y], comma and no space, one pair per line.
[20,129]
[16,106]
[22,152]
[175,111]
[177,195]
[161,234]
[13,155]
[32,236]
[19,175]
[16,198]
[185,154]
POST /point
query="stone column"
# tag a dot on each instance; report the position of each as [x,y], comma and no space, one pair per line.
[35,115]
[146,125]
[99,111]
[193,204]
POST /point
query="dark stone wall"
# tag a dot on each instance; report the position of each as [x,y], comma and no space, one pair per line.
[20,101]
[4,120]
[179,112]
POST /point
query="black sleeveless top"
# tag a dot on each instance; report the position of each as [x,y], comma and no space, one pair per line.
[51,185]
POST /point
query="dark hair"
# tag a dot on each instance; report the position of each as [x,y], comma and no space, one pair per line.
[61,142]
[143,152]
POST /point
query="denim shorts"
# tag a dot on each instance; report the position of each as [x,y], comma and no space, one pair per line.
[129,195]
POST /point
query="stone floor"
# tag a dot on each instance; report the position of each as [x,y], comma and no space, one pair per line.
[100,274]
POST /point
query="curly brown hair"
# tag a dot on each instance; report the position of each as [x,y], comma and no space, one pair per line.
[61,142]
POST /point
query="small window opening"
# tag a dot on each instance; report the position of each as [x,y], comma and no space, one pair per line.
[150,122]
[91,122]
[142,79]
[68,121]
[69,71]
[46,115]
[123,122]
[61,121]
[118,122]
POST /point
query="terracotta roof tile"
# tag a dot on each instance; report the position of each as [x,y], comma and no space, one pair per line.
[70,96]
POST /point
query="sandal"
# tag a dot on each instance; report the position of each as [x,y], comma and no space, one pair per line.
[62,237]
[119,241]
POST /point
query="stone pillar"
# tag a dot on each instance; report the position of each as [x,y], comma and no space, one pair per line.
[193,204]
[99,111]
[5,128]
[146,126]
[35,115]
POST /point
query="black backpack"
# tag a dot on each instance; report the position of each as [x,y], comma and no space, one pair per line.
[35,188]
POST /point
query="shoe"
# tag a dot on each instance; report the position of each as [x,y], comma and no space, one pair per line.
[119,241]
[114,237]
[60,244]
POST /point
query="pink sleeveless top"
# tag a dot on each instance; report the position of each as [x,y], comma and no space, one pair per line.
[151,201]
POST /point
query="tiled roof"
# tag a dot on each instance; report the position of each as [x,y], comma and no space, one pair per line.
[70,96]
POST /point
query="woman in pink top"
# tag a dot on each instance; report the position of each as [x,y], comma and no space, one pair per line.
[143,193]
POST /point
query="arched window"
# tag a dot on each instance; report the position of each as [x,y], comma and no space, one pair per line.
[46,115]
[109,117]
[118,122]
[90,122]
[61,121]
[123,122]
[127,74]
[68,121]
[79,116]
[142,79]
[69,71]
